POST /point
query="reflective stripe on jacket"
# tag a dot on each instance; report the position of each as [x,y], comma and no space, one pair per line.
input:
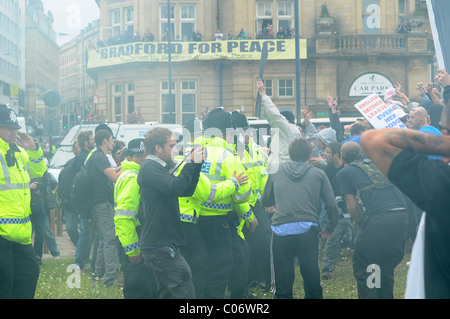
[15,195]
[255,162]
[220,164]
[126,201]
[206,193]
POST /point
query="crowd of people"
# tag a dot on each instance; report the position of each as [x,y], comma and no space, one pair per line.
[124,37]
[213,213]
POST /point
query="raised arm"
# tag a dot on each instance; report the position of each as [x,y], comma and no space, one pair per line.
[383,145]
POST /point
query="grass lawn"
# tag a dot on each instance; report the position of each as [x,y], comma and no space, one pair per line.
[55,275]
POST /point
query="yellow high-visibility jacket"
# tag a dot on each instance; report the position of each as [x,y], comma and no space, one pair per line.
[205,192]
[15,195]
[126,202]
[255,161]
[220,163]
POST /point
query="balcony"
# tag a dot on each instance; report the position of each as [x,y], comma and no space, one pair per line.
[373,42]
[363,45]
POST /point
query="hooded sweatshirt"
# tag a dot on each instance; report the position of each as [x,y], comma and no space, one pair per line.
[295,191]
[327,136]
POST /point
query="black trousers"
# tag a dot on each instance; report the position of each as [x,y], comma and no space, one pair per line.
[216,234]
[172,272]
[238,281]
[379,248]
[195,254]
[259,246]
[306,248]
[138,279]
[19,270]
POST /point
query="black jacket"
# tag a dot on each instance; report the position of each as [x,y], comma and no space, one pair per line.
[161,224]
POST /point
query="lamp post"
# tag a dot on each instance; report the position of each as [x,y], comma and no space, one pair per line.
[169,36]
[297,62]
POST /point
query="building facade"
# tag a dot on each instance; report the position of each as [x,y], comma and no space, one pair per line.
[78,90]
[352,48]
[42,59]
[12,54]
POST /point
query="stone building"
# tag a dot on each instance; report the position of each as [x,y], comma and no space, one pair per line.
[75,84]
[350,48]
[42,59]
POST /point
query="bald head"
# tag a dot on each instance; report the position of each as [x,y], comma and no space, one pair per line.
[418,117]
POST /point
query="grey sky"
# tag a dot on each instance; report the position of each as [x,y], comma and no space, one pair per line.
[71,16]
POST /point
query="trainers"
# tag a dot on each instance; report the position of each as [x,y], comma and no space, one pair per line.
[326,274]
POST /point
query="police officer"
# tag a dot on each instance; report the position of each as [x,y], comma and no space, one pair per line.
[255,161]
[20,159]
[139,281]
[220,164]
[206,192]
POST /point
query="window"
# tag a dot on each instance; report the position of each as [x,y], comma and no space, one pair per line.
[401,10]
[268,84]
[285,9]
[167,103]
[187,21]
[117,102]
[182,23]
[285,88]
[130,98]
[115,21]
[122,19]
[264,17]
[188,101]
[181,105]
[128,13]
[122,100]
[264,9]
[164,26]
[285,15]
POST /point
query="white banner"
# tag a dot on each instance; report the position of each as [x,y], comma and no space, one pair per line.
[378,113]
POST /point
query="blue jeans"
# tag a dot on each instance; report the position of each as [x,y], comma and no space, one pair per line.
[72,224]
[84,243]
[107,256]
[42,231]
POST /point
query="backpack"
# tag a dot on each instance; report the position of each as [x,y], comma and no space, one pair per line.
[378,179]
[65,181]
[81,194]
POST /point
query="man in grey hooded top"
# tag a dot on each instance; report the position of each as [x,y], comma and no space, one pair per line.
[324,137]
[295,191]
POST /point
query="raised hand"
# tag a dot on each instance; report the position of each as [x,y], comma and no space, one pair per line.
[261,88]
[26,141]
[443,78]
[242,178]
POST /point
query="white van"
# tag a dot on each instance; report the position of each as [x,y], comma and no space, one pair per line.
[121,132]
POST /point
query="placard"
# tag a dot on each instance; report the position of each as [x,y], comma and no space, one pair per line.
[378,113]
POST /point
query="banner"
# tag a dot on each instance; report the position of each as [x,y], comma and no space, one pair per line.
[190,51]
[440,24]
[378,113]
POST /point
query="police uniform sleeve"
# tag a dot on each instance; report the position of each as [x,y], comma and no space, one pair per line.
[209,192]
[234,164]
[36,162]
[125,218]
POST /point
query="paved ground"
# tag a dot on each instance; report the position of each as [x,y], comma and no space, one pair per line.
[65,246]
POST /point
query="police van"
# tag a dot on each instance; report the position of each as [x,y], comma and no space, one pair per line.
[121,132]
